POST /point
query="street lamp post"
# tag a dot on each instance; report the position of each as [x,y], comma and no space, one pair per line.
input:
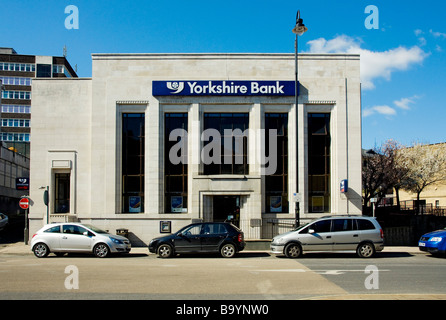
[299,30]
[46,201]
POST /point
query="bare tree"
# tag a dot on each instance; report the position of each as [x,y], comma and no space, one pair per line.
[425,165]
[381,171]
[398,172]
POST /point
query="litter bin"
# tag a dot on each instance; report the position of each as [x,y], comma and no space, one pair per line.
[123,232]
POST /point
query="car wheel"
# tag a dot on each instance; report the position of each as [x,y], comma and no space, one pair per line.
[228,250]
[101,250]
[165,251]
[365,250]
[41,250]
[293,250]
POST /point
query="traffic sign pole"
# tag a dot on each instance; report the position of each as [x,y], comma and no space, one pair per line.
[26,231]
[24,204]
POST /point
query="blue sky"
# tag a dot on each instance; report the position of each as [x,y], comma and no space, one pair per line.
[403,62]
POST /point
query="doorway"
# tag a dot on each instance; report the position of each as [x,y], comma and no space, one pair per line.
[226,208]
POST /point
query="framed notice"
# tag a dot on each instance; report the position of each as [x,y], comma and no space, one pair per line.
[165,227]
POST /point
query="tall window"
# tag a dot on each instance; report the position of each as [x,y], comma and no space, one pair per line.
[62,193]
[175,165]
[319,162]
[276,184]
[133,162]
[232,145]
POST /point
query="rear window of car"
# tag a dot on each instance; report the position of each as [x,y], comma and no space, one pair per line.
[365,224]
[218,228]
[55,229]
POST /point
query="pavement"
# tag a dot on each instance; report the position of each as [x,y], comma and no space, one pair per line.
[22,249]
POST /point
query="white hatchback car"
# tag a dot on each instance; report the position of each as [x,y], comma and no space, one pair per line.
[61,238]
[335,233]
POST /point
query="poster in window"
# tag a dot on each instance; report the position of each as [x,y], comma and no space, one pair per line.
[317,203]
[275,204]
[134,204]
[176,204]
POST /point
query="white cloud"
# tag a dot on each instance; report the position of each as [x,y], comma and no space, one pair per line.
[437,34]
[404,103]
[384,110]
[418,32]
[374,64]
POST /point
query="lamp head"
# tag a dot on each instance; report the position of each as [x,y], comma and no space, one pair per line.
[300,28]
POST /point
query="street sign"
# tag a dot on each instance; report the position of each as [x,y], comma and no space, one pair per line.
[297,197]
[24,203]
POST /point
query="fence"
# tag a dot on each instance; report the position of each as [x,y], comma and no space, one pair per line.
[265,228]
[423,208]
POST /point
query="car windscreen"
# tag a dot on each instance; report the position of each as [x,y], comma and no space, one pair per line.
[302,226]
[94,229]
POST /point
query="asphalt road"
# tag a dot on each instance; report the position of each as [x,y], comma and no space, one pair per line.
[249,276]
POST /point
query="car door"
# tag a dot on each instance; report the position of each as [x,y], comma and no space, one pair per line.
[212,235]
[74,239]
[317,236]
[189,239]
[52,237]
[344,234]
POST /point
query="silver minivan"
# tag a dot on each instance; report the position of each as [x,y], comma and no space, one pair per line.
[334,233]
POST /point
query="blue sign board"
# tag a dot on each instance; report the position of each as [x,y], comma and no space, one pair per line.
[344,186]
[223,88]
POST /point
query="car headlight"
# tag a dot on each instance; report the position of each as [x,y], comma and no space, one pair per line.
[277,240]
[435,239]
[117,241]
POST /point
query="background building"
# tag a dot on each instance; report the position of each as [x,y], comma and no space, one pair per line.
[16,73]
[107,146]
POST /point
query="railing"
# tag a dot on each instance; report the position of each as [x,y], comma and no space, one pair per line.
[428,208]
[265,228]
[62,217]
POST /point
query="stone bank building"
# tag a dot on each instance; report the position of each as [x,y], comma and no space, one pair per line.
[153,142]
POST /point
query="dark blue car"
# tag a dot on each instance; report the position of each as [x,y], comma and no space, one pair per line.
[434,242]
[207,237]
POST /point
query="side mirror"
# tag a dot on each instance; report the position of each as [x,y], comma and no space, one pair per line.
[311,231]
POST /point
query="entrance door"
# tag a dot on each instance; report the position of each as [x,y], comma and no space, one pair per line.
[224,206]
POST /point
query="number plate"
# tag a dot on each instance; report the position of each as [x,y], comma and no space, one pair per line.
[421,244]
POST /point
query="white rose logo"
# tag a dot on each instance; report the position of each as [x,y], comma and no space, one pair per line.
[175,86]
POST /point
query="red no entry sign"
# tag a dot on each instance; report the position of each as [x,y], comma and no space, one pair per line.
[24,203]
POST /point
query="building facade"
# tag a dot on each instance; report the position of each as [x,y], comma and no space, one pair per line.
[16,73]
[153,142]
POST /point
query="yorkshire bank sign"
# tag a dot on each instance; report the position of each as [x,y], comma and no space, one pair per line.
[223,88]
